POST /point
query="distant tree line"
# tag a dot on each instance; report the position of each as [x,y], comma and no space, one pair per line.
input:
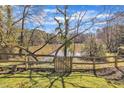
[14,33]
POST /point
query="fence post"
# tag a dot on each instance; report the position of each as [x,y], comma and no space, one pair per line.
[116,64]
[94,67]
[30,71]
[25,62]
[71,64]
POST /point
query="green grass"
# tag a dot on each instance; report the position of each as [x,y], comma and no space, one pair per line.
[75,80]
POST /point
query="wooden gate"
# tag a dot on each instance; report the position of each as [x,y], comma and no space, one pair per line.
[63,64]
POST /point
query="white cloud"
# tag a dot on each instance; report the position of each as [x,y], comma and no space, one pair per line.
[88,16]
[61,19]
[40,18]
[50,10]
[50,23]
[102,16]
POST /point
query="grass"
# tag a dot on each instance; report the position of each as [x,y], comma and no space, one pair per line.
[75,80]
[49,48]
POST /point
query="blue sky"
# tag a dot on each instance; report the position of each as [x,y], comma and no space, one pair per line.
[45,15]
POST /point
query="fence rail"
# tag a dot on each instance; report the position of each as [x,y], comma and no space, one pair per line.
[93,61]
[40,55]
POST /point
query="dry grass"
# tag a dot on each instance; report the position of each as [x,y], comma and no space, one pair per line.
[52,47]
[49,48]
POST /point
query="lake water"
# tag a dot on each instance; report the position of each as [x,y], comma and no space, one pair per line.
[61,54]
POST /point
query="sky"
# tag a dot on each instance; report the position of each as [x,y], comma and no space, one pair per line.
[45,15]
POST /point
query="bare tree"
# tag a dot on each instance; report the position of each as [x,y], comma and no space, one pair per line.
[24,15]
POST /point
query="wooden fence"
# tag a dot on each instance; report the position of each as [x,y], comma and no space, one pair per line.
[61,64]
